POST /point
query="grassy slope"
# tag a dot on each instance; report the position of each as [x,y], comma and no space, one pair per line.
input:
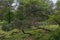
[20,36]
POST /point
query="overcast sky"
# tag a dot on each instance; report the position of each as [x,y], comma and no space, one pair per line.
[54,1]
[15,4]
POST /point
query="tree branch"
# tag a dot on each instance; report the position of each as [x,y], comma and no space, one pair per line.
[26,32]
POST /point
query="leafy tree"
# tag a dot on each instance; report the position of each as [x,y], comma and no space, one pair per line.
[56,15]
[31,12]
[5,8]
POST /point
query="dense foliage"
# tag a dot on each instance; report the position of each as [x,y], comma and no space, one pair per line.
[32,20]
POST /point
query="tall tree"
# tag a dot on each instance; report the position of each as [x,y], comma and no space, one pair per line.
[31,12]
[6,8]
[56,15]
